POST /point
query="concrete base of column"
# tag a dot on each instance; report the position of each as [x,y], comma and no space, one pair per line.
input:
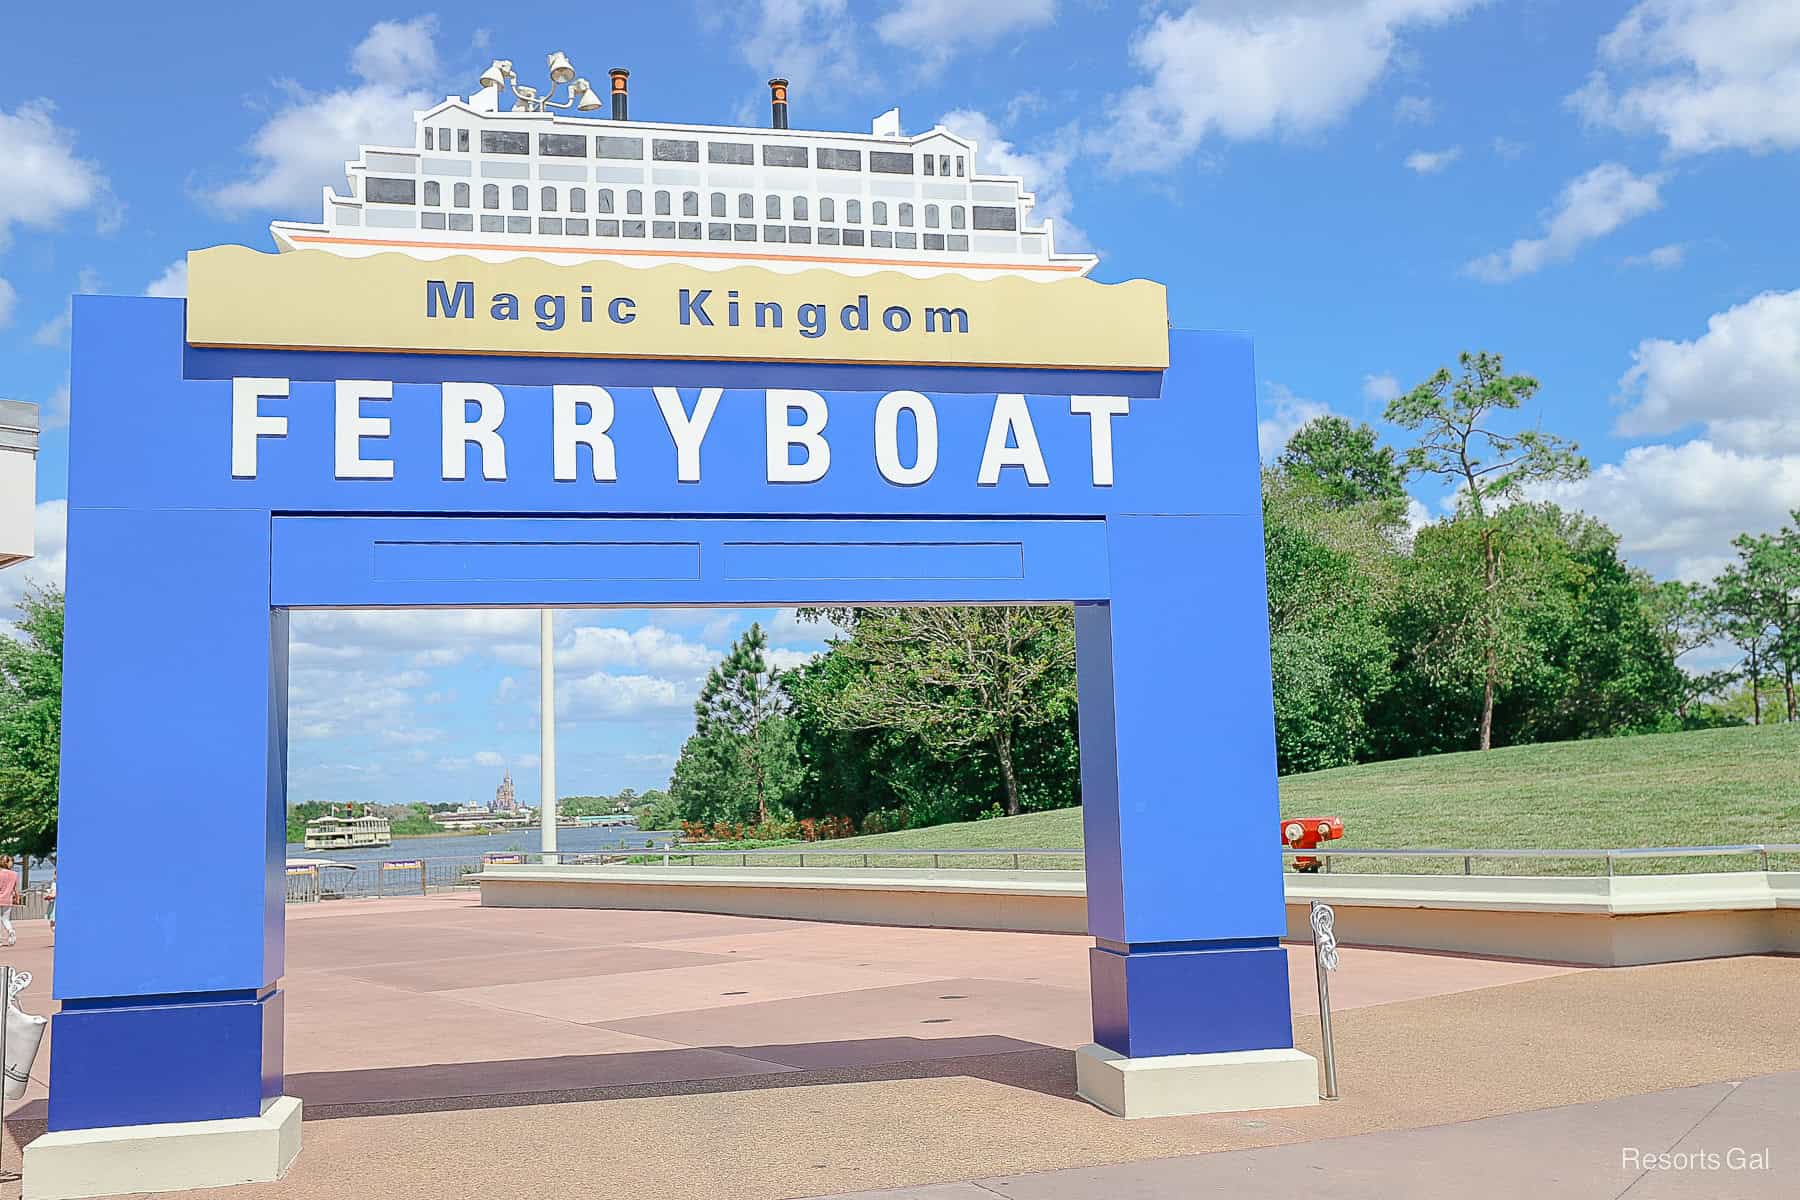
[130,1159]
[1181,1085]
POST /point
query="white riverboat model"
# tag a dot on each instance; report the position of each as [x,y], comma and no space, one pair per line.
[530,180]
[347,833]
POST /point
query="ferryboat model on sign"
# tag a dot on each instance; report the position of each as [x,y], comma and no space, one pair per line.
[535,180]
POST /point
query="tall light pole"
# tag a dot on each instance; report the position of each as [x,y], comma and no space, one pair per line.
[547,732]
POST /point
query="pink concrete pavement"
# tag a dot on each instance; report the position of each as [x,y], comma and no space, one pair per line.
[494,1042]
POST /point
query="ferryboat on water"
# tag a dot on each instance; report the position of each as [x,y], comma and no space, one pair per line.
[347,832]
[527,181]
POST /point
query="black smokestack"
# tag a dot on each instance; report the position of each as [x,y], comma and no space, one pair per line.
[619,75]
[778,103]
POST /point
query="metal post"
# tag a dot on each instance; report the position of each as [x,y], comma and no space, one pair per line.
[423,889]
[1015,862]
[1465,864]
[547,732]
[6,982]
[1325,961]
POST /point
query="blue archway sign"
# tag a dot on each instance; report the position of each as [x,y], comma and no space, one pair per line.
[213,489]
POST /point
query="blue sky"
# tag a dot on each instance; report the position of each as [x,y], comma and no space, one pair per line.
[1604,192]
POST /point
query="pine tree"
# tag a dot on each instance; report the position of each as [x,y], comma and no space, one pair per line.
[741,697]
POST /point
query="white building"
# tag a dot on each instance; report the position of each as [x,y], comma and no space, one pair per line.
[528,181]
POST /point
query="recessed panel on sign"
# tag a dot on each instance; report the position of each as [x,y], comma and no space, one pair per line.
[874,560]
[536,560]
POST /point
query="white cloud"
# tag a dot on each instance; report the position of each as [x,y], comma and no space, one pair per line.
[1379,389]
[648,648]
[304,145]
[55,331]
[1288,413]
[44,181]
[1663,258]
[55,412]
[417,736]
[1506,149]
[1741,378]
[1676,508]
[329,700]
[1249,69]
[435,637]
[1415,110]
[1589,207]
[603,696]
[1702,74]
[812,42]
[1045,170]
[940,29]
[9,300]
[172,282]
[1430,162]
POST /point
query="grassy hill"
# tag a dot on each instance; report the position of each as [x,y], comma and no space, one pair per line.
[1712,787]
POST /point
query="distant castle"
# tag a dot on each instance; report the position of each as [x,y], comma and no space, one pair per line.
[504,800]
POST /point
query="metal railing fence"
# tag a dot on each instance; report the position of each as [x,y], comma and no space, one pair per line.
[425,875]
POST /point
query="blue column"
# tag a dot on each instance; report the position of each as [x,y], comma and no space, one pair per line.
[1178,792]
[173,825]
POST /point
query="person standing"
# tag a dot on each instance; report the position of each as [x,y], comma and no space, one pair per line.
[9,896]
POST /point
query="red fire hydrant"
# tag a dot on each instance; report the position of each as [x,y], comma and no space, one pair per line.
[1304,833]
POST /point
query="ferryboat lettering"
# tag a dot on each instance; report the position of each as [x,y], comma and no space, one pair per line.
[797,435]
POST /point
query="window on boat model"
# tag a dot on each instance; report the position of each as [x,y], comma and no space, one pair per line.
[889,162]
[957,217]
[674,150]
[379,190]
[663,208]
[988,216]
[563,145]
[879,209]
[784,156]
[853,212]
[434,194]
[773,208]
[959,166]
[462,141]
[634,205]
[799,208]
[929,164]
[499,141]
[931,216]
[619,147]
[521,197]
[718,204]
[746,206]
[578,200]
[690,204]
[741,153]
[827,209]
[943,164]
[603,202]
[459,195]
[430,138]
[839,160]
[547,199]
[490,195]
[906,215]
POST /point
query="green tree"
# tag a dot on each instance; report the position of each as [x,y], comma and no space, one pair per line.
[1767,585]
[1685,620]
[1743,614]
[1343,465]
[31,725]
[958,677]
[740,706]
[1458,444]
[1331,571]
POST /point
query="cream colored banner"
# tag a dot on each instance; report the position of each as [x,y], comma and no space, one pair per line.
[312,300]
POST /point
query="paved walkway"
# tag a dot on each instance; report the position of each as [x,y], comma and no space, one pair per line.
[531,1053]
[1717,1141]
